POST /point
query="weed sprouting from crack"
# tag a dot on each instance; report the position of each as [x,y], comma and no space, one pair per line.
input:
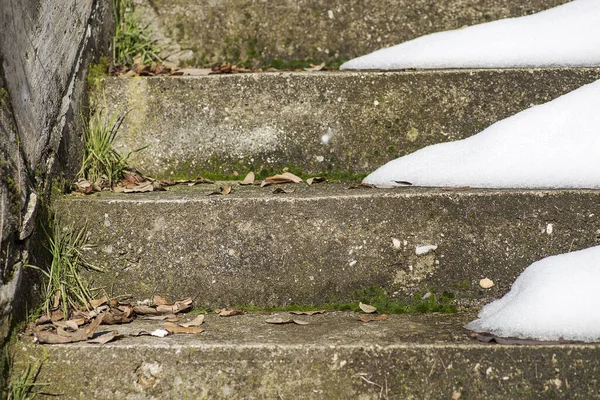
[131,39]
[65,287]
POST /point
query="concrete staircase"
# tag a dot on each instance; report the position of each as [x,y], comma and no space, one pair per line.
[320,243]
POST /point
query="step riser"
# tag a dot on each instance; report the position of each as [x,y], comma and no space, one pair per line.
[327,372]
[222,124]
[256,32]
[278,251]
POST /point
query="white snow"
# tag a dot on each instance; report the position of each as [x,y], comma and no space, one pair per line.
[553,145]
[567,35]
[556,297]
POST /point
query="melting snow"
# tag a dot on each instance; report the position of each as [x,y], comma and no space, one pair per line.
[553,298]
[553,145]
[567,35]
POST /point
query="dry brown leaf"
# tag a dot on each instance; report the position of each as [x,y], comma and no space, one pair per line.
[286,177]
[314,67]
[79,336]
[177,307]
[367,308]
[316,179]
[105,338]
[145,310]
[281,321]
[228,312]
[199,320]
[166,317]
[371,318]
[248,180]
[308,312]
[121,315]
[362,185]
[139,188]
[406,183]
[193,71]
[222,191]
[99,302]
[283,191]
[159,301]
[175,328]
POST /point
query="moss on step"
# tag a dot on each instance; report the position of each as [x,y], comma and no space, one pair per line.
[375,296]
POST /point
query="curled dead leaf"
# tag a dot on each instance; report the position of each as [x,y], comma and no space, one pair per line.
[406,183]
[308,312]
[105,338]
[98,302]
[199,320]
[80,335]
[175,328]
[371,318]
[367,308]
[222,191]
[316,179]
[227,312]
[159,301]
[283,191]
[281,321]
[249,179]
[286,177]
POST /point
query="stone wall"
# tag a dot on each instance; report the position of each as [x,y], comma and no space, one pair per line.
[44,52]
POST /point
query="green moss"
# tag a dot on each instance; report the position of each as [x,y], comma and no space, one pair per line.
[376,297]
[3,96]
[97,71]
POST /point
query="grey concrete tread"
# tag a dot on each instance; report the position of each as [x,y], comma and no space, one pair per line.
[254,33]
[324,242]
[420,356]
[316,122]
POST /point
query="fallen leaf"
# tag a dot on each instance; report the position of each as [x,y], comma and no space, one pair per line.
[222,191]
[79,336]
[226,312]
[281,190]
[121,315]
[199,320]
[159,301]
[145,310]
[174,328]
[367,308]
[308,312]
[166,317]
[286,177]
[404,183]
[193,71]
[362,185]
[103,339]
[316,179]
[177,307]
[487,337]
[371,318]
[281,321]
[99,302]
[314,67]
[139,188]
[248,180]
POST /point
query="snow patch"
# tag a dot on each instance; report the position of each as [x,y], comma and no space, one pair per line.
[564,36]
[553,145]
[553,298]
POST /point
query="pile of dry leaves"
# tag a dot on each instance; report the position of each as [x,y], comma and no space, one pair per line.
[83,323]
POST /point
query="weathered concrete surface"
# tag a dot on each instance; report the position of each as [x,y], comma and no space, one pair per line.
[258,31]
[220,124]
[323,242]
[13,177]
[334,357]
[44,52]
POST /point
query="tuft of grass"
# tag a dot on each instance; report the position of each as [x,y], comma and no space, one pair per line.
[131,39]
[100,160]
[65,286]
[23,386]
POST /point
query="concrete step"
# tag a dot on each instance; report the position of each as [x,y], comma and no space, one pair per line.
[335,356]
[265,32]
[340,123]
[323,242]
